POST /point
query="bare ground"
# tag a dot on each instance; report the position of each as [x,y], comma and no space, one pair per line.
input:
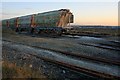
[19,64]
[36,68]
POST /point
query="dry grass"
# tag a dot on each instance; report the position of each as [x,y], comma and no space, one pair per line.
[7,30]
[111,32]
[10,70]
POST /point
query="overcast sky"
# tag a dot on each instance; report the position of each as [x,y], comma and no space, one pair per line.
[85,13]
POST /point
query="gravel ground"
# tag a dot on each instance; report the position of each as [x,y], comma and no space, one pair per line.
[109,69]
[69,45]
[50,70]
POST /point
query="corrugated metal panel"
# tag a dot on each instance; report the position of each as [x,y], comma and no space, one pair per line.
[48,18]
[24,20]
[4,22]
[52,18]
[51,13]
[12,21]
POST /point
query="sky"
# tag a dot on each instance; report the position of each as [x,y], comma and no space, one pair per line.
[85,13]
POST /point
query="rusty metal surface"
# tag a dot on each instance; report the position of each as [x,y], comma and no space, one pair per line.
[57,18]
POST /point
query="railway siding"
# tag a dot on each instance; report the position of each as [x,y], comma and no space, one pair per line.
[67,52]
[105,69]
[66,45]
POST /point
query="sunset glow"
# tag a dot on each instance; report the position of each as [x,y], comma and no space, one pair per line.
[85,13]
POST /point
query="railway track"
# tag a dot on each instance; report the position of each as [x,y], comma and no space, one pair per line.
[115,47]
[98,45]
[103,46]
[99,59]
[79,69]
[76,68]
[87,34]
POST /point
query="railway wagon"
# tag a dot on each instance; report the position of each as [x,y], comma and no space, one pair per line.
[51,22]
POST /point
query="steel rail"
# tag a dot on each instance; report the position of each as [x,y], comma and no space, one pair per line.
[103,47]
[99,59]
[74,67]
[79,69]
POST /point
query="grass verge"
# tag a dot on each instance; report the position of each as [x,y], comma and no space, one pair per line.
[10,70]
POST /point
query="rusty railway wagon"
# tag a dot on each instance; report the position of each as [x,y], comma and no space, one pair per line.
[51,22]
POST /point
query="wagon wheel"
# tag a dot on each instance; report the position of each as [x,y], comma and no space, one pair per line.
[16,29]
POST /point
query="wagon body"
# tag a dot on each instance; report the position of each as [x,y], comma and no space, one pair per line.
[52,20]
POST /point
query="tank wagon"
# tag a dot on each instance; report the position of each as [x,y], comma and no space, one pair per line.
[51,22]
